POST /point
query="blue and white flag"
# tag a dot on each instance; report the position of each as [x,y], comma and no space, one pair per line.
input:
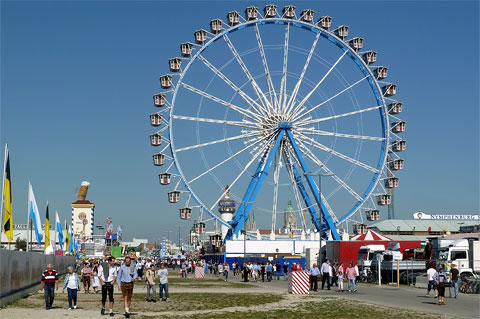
[34,214]
[58,227]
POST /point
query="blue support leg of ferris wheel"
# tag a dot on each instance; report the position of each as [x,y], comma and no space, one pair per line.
[238,219]
[251,196]
[303,192]
[323,210]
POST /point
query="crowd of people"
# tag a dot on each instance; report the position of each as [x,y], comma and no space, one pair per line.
[103,276]
[334,274]
[437,281]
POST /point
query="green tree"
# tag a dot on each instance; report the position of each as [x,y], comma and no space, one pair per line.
[21,244]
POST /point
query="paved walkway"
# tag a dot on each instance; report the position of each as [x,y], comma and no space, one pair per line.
[466,306]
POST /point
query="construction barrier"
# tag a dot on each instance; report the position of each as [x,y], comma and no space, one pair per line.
[199,272]
[299,282]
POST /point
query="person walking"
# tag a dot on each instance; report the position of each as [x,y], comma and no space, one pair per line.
[255,272]
[440,278]
[285,271]
[150,277]
[453,280]
[351,273]
[431,280]
[325,270]
[263,272]
[334,274]
[139,269]
[269,272]
[163,280]
[340,277]
[49,281]
[107,274]
[72,283]
[226,268]
[86,277]
[125,284]
[220,269]
[95,280]
[245,272]
[314,272]
[278,269]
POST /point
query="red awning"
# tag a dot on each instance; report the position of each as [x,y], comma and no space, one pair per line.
[370,235]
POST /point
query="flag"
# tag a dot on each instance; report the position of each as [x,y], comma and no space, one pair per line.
[7,199]
[58,227]
[35,215]
[74,245]
[47,229]
[67,239]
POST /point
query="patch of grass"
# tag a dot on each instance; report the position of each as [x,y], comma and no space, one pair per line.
[321,307]
[208,301]
[205,283]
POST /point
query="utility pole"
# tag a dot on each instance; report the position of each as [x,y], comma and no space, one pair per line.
[320,257]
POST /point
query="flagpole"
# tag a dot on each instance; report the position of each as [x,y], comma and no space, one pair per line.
[3,193]
[28,214]
[55,238]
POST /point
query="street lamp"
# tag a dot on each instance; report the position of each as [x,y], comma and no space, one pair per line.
[179,227]
[168,234]
[320,208]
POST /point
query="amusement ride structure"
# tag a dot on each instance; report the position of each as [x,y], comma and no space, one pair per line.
[267,102]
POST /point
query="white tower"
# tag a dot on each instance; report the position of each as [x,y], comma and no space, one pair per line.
[226,207]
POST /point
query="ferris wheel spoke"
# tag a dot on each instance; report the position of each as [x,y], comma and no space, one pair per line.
[233,138]
[299,116]
[241,173]
[283,84]
[246,124]
[315,159]
[271,89]
[303,123]
[260,95]
[317,85]
[329,208]
[253,104]
[324,133]
[300,79]
[276,176]
[225,161]
[309,141]
[245,112]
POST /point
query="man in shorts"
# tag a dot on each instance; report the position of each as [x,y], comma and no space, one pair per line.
[107,274]
[125,284]
[431,280]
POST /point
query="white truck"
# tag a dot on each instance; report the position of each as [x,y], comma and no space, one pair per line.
[465,254]
[365,256]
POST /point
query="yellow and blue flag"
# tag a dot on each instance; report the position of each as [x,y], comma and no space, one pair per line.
[7,199]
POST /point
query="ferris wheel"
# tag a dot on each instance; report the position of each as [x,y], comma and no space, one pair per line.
[278,106]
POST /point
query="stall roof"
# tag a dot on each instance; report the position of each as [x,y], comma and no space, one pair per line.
[370,235]
[436,225]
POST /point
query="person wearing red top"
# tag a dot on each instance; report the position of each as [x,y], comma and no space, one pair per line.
[49,280]
[298,267]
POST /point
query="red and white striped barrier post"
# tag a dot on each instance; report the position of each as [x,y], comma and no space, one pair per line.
[299,282]
[199,272]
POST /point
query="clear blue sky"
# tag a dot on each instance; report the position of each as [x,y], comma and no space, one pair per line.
[77,82]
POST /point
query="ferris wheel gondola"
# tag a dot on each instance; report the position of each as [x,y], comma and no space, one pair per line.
[247,98]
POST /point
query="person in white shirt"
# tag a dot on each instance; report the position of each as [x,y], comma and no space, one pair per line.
[163,279]
[107,273]
[431,280]
[325,272]
[72,283]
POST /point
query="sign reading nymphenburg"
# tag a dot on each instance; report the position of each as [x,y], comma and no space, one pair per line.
[422,215]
